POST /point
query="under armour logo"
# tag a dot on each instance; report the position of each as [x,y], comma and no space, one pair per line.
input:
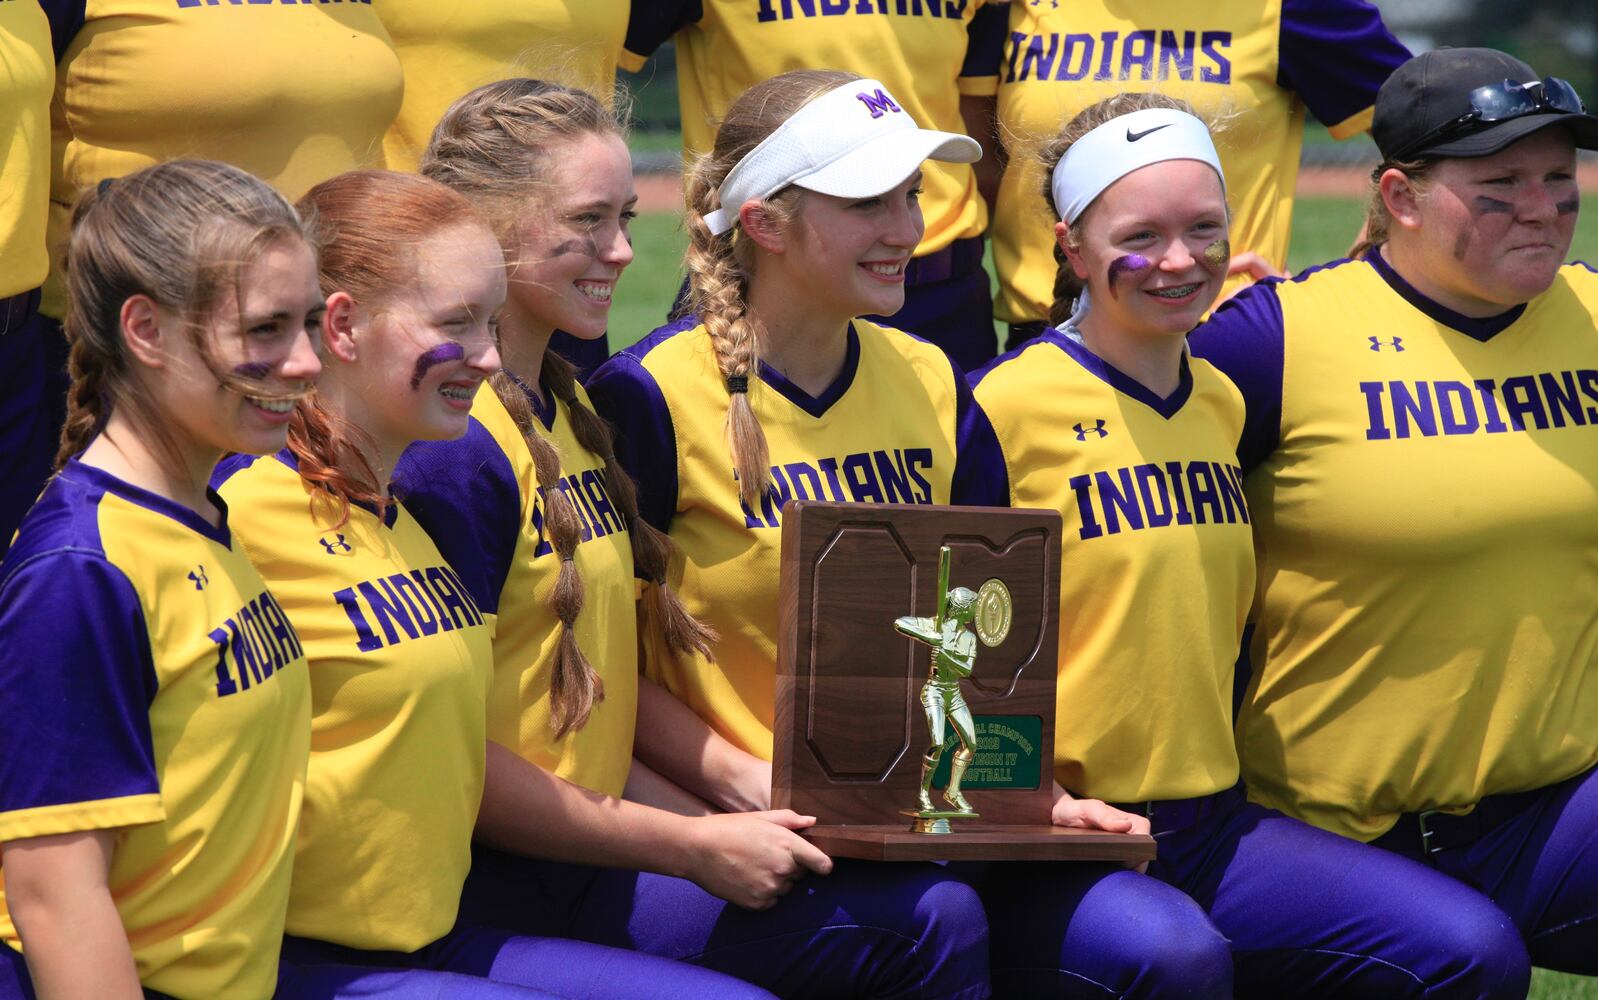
[337,543]
[878,102]
[1377,343]
[1082,432]
[199,578]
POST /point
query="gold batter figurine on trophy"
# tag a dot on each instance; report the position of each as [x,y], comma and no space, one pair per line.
[954,656]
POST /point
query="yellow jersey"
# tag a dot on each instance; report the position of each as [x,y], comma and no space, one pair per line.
[479,499]
[292,95]
[155,687]
[1427,528]
[400,659]
[898,425]
[1157,568]
[27,78]
[450,49]
[918,48]
[1256,66]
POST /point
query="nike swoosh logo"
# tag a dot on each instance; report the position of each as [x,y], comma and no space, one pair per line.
[1132,136]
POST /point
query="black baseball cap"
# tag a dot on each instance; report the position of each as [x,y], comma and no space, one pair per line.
[1425,107]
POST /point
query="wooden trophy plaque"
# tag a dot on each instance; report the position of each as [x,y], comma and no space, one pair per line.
[850,726]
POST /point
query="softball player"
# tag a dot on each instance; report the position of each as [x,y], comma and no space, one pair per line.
[1160,576]
[1421,487]
[803,217]
[531,502]
[154,718]
[29,414]
[448,50]
[400,652]
[1259,65]
[922,53]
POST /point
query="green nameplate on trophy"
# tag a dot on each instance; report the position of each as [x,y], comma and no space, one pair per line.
[916,670]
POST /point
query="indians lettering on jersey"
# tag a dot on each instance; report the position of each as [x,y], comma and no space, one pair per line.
[421,603]
[788,10]
[1451,407]
[262,641]
[1158,495]
[1145,55]
[588,492]
[879,476]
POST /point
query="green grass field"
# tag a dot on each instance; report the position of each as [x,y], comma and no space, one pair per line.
[1322,231]
[1323,228]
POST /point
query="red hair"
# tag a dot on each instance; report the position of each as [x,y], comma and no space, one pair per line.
[364,223]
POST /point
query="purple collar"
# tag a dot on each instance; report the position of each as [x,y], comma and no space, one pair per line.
[1123,383]
[817,406]
[1476,329]
[155,502]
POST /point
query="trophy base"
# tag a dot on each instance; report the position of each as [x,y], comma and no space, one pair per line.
[980,842]
[935,821]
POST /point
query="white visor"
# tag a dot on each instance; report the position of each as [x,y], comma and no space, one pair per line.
[853,142]
[1122,145]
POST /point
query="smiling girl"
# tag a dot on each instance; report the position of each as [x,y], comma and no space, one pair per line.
[1108,420]
[533,509]
[400,652]
[154,720]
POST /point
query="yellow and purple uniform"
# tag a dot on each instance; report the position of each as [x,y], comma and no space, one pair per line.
[1256,66]
[919,50]
[898,425]
[30,388]
[292,95]
[1157,568]
[450,49]
[400,661]
[479,499]
[154,687]
[1422,491]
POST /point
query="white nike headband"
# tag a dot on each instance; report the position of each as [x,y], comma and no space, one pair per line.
[855,141]
[1122,145]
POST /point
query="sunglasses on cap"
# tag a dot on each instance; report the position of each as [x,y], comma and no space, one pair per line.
[1501,102]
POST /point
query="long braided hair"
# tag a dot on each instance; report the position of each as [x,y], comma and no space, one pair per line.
[495,146]
[181,233]
[719,266]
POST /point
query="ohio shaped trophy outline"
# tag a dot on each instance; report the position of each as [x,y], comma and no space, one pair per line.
[850,735]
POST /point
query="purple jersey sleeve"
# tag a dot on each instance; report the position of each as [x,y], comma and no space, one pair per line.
[1336,54]
[465,495]
[1244,340]
[625,394]
[78,682]
[653,21]
[980,477]
[984,50]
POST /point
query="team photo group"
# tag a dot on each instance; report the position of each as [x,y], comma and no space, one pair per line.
[380,618]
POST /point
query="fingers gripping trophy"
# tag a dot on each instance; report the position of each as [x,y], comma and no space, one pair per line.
[954,655]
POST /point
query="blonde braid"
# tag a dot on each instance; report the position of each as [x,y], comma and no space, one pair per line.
[652,549]
[574,685]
